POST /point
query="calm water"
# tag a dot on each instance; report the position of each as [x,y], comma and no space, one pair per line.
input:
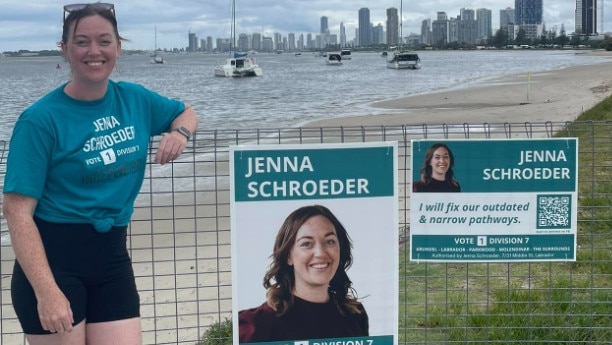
[293,90]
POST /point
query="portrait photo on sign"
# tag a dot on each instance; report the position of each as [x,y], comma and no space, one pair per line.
[435,174]
[313,269]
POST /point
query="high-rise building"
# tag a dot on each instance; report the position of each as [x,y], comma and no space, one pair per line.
[193,42]
[243,42]
[378,34]
[365,33]
[484,20]
[256,42]
[506,17]
[309,41]
[278,41]
[223,45]
[291,41]
[467,28]
[453,29]
[528,11]
[324,26]
[209,43]
[426,31]
[342,35]
[586,17]
[440,29]
[392,26]
[267,45]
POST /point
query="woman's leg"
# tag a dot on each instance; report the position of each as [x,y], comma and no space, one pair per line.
[124,332]
[75,337]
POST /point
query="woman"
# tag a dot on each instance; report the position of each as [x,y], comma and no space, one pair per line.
[75,166]
[437,172]
[309,294]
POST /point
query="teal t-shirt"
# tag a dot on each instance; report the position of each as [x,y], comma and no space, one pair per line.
[84,161]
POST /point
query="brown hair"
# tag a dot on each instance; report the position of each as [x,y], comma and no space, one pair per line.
[88,11]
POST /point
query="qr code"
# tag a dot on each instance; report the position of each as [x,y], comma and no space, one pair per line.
[554,211]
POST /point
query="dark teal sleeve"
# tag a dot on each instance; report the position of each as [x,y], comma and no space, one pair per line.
[157,110]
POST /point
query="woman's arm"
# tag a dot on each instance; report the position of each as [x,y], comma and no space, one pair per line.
[53,307]
[173,142]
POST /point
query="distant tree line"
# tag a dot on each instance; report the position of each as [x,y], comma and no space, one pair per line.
[33,53]
[547,40]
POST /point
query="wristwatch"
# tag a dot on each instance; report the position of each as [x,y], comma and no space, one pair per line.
[184,131]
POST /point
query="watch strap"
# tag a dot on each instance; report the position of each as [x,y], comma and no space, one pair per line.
[184,131]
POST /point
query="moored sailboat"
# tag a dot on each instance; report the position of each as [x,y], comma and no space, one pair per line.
[155,57]
[402,58]
[237,64]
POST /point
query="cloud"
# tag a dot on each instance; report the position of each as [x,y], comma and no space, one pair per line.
[36,24]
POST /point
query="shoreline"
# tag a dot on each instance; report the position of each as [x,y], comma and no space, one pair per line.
[545,96]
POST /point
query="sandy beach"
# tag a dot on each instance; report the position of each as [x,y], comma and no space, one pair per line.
[556,96]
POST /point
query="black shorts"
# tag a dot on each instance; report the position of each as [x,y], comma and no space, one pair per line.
[92,269]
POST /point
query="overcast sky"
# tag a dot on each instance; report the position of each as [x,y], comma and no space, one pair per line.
[36,24]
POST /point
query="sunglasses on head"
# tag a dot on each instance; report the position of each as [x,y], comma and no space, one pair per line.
[101,6]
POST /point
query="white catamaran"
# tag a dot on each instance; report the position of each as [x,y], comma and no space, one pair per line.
[237,64]
[400,58]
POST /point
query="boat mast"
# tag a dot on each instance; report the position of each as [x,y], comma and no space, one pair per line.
[233,29]
[401,38]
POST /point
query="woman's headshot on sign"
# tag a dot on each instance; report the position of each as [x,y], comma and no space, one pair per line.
[314,269]
[309,294]
[436,172]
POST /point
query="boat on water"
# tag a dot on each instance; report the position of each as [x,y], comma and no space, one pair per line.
[155,57]
[404,60]
[345,54]
[401,58]
[237,64]
[334,59]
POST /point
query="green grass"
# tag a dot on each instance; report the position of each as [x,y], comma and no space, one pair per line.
[518,303]
[219,333]
[527,303]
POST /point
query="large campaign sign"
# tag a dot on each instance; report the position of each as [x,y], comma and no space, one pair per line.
[357,183]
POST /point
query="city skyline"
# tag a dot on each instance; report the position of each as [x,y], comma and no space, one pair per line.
[469,26]
[31,27]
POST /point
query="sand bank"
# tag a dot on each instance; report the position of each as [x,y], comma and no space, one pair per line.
[556,96]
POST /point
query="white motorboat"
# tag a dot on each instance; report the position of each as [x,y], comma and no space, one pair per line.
[334,59]
[345,54]
[403,60]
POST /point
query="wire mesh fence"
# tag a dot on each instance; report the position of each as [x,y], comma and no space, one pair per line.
[179,241]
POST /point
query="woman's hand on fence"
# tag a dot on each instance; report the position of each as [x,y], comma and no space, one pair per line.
[170,147]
